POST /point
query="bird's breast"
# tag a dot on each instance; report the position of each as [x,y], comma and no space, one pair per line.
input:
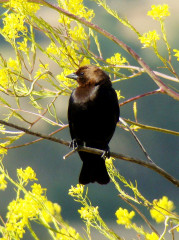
[82,95]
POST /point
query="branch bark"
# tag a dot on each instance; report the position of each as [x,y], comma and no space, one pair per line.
[99,152]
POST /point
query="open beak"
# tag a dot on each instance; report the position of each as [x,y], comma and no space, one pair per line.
[72,76]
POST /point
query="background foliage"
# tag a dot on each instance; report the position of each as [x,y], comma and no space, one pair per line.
[39,47]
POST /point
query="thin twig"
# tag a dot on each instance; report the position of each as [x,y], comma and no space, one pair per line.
[37,140]
[140,96]
[139,69]
[147,127]
[70,153]
[136,138]
[99,152]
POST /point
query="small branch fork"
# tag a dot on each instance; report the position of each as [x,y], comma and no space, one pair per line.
[97,151]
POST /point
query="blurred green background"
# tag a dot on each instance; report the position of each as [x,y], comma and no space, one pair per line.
[46,158]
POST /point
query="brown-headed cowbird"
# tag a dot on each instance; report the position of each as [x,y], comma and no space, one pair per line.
[92,114]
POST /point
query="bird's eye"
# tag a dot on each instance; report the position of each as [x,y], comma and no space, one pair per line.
[81,74]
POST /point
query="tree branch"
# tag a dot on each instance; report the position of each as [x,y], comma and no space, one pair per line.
[164,88]
[99,152]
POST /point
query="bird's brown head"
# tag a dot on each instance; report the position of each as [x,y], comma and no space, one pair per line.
[90,76]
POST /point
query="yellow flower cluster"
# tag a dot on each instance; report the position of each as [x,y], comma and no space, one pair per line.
[2,149]
[176,54]
[149,39]
[27,174]
[76,7]
[124,217]
[88,212]
[4,79]
[3,183]
[13,25]
[23,46]
[77,33]
[67,234]
[117,59]
[21,5]
[76,191]
[13,64]
[159,12]
[152,236]
[161,209]
[34,205]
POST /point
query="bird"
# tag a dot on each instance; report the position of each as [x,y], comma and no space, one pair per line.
[93,113]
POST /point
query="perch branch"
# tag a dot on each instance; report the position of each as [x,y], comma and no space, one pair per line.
[99,152]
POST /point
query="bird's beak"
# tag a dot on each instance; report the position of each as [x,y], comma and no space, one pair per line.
[72,76]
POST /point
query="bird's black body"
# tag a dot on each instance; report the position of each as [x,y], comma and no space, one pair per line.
[93,113]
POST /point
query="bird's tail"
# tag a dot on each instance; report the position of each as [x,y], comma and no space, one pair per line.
[93,169]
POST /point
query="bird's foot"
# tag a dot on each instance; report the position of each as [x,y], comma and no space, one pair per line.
[106,153]
[77,144]
[73,144]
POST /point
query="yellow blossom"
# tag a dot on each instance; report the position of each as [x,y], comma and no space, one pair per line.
[88,213]
[78,33]
[3,150]
[21,5]
[53,49]
[76,7]
[13,64]
[159,12]
[117,59]
[18,213]
[149,39]
[152,236]
[27,174]
[23,46]
[124,217]
[176,54]
[37,190]
[4,78]
[161,209]
[75,191]
[3,183]
[119,96]
[13,25]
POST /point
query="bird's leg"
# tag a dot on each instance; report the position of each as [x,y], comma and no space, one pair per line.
[106,153]
[77,144]
[74,145]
